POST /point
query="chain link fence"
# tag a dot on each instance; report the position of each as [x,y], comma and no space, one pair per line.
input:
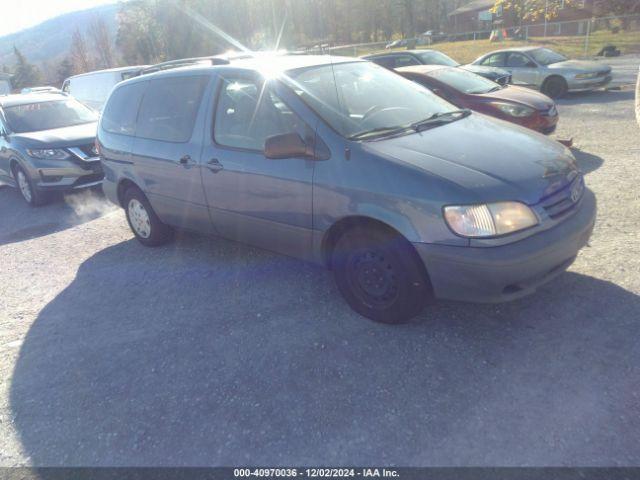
[581,37]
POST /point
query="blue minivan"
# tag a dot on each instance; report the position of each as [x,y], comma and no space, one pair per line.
[342,162]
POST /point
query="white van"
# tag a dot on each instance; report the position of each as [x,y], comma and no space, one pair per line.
[5,84]
[93,88]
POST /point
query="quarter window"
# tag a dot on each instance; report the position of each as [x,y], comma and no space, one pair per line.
[248,112]
[119,116]
[169,108]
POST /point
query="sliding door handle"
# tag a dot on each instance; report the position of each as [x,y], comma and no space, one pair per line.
[214,165]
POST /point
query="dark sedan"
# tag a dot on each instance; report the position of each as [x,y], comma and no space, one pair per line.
[466,90]
[47,143]
[407,58]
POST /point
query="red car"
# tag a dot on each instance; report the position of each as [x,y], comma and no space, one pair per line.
[467,90]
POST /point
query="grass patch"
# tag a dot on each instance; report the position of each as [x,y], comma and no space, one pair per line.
[570,46]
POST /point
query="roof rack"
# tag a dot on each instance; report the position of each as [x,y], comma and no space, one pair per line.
[183,62]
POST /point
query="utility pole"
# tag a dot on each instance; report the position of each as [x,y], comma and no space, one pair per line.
[546,8]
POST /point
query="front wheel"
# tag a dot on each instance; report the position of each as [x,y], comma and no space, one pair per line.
[555,87]
[380,275]
[145,224]
[27,189]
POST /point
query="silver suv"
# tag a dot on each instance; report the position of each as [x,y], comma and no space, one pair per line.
[342,162]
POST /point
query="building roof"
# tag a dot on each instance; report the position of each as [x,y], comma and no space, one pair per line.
[473,6]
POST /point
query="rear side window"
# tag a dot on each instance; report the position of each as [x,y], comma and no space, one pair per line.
[119,115]
[169,108]
[495,60]
[386,62]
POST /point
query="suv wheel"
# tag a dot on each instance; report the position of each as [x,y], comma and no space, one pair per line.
[144,222]
[27,190]
[555,87]
[380,275]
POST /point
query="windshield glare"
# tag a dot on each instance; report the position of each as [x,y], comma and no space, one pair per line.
[433,57]
[544,56]
[464,81]
[34,117]
[359,97]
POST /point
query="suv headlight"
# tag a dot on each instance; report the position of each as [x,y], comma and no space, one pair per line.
[514,110]
[582,76]
[48,153]
[489,220]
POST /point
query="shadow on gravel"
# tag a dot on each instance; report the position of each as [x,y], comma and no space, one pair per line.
[211,353]
[21,222]
[597,96]
[587,162]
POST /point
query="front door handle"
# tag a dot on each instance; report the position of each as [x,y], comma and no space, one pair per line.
[186,159]
[214,165]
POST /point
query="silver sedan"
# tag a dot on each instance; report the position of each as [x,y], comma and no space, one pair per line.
[548,71]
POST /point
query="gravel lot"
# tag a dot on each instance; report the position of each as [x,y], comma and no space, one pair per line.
[211,353]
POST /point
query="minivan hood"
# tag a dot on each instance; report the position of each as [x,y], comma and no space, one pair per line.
[581,65]
[59,137]
[492,159]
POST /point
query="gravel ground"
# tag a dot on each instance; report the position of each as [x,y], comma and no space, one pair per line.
[211,353]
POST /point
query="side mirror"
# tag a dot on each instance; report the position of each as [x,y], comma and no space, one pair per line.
[287,145]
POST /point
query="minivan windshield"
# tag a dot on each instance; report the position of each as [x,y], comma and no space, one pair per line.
[361,97]
[34,117]
[433,57]
[464,81]
[544,56]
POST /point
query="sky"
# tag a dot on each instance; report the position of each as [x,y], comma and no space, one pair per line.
[20,14]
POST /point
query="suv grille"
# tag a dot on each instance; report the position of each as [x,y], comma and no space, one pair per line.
[88,150]
[564,200]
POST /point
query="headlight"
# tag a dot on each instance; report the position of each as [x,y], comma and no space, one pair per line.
[48,153]
[514,110]
[489,220]
[582,76]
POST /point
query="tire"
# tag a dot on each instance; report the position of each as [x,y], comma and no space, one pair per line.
[143,221]
[27,188]
[555,87]
[380,275]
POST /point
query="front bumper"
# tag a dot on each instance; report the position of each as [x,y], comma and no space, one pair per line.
[508,272]
[53,175]
[589,83]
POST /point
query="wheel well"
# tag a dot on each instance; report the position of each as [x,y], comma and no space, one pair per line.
[12,166]
[123,186]
[334,233]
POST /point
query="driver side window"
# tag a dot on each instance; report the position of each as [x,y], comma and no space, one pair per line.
[248,112]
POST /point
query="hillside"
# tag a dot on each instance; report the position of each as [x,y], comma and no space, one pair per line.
[50,40]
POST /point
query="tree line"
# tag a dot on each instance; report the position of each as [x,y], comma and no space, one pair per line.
[152,31]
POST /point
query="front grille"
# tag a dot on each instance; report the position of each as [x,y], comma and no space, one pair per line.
[564,200]
[504,80]
[88,150]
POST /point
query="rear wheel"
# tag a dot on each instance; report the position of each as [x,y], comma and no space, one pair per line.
[27,189]
[380,275]
[144,222]
[555,87]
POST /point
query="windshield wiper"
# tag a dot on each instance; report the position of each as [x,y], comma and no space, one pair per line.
[440,118]
[379,132]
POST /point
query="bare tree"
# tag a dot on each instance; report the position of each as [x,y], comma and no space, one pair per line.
[79,53]
[101,39]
